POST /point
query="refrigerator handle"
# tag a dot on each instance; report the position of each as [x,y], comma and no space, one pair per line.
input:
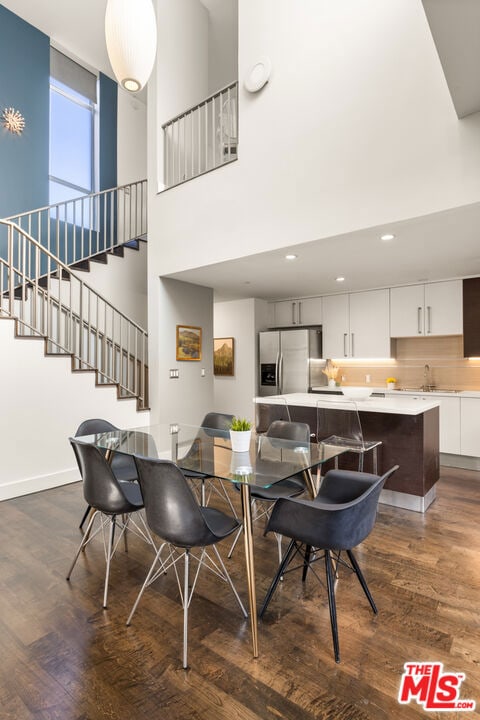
[280,373]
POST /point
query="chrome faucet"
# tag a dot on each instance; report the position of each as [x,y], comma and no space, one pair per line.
[426,379]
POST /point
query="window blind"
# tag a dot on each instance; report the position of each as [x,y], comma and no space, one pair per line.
[70,73]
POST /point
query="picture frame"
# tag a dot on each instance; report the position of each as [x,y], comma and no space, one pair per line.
[223,356]
[189,343]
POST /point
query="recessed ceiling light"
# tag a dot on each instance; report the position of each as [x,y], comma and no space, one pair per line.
[387,236]
[339,279]
[291,257]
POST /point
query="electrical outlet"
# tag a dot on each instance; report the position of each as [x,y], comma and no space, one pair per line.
[368,378]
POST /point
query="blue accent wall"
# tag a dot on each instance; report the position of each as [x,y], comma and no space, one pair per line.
[24,85]
[108,92]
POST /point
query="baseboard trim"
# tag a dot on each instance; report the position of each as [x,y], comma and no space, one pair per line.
[465,462]
[27,486]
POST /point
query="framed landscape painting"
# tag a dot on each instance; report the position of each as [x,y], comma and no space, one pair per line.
[223,356]
[189,342]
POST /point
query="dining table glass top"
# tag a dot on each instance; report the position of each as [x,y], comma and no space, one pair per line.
[208,451]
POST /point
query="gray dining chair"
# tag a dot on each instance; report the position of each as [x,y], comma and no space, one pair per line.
[341,517]
[264,498]
[175,516]
[123,466]
[113,504]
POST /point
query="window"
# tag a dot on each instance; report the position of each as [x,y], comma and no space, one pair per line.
[73,104]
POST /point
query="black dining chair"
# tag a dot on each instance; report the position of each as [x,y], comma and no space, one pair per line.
[340,517]
[213,425]
[123,466]
[288,488]
[112,502]
[175,516]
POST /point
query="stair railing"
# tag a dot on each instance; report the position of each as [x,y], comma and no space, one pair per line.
[201,138]
[77,229]
[48,300]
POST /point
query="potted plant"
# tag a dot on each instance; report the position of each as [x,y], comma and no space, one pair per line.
[240,433]
[331,371]
[391,383]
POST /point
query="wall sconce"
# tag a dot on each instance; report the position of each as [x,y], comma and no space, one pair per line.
[13,121]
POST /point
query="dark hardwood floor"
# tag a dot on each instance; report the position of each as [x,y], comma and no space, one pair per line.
[64,658]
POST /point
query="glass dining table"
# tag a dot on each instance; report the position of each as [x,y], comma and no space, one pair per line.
[208,453]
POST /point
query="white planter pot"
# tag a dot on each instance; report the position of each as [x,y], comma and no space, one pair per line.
[240,440]
[331,382]
[390,386]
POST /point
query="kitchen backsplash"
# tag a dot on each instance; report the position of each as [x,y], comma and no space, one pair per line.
[444,356]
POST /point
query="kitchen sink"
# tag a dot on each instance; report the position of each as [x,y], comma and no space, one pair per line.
[428,389]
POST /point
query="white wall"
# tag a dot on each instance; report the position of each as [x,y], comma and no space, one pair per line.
[189,397]
[356,128]
[181,79]
[222,43]
[43,403]
[131,138]
[240,319]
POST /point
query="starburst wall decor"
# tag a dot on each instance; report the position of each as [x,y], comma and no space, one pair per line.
[13,121]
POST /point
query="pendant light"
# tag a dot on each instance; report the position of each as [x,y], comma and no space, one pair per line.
[131,35]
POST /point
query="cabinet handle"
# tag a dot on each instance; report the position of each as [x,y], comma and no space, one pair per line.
[293,313]
[353,346]
[345,345]
[429,319]
[299,313]
[419,320]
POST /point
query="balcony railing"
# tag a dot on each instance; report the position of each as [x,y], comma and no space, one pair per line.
[202,138]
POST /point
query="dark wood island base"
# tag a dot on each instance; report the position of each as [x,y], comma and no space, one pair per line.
[411,441]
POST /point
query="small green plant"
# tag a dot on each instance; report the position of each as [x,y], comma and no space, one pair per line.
[240,424]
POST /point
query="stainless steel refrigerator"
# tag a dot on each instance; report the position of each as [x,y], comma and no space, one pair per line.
[289,359]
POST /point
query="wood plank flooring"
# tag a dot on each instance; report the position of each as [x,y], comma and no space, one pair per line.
[64,658]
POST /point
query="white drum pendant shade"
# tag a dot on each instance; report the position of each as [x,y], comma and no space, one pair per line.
[131,35]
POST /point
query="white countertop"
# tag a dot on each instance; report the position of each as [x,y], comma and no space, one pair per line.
[399,404]
[398,393]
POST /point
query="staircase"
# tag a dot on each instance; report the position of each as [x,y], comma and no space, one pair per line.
[41,286]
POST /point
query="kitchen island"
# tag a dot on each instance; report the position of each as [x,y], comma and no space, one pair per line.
[408,431]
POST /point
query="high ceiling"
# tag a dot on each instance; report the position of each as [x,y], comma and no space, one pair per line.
[438,246]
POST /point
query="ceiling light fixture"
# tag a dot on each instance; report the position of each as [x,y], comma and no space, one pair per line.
[131,36]
[291,256]
[387,236]
[339,279]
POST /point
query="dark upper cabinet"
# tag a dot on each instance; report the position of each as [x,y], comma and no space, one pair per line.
[471,317]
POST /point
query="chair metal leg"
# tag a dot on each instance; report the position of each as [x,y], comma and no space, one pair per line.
[229,581]
[375,461]
[306,562]
[111,536]
[362,580]
[146,582]
[332,605]
[85,516]
[186,602]
[82,544]
[286,559]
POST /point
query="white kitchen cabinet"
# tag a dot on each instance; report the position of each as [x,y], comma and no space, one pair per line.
[303,311]
[449,420]
[470,426]
[430,309]
[356,325]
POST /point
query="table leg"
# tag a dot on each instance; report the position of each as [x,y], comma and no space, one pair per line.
[248,540]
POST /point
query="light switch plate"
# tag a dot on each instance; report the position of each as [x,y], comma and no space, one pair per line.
[174,374]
